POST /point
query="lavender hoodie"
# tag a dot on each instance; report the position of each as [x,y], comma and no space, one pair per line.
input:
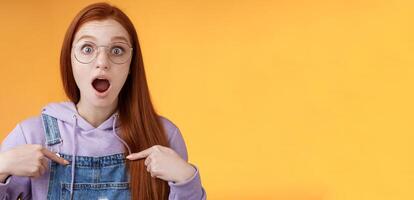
[89,141]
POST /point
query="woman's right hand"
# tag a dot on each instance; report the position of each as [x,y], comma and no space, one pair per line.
[27,160]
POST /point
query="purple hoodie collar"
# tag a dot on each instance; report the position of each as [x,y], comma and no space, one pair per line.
[64,111]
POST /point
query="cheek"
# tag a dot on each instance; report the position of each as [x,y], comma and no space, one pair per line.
[79,74]
[121,75]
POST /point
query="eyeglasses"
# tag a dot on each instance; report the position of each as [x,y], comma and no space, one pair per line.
[119,53]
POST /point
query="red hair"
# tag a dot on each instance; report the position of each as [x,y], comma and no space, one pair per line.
[141,127]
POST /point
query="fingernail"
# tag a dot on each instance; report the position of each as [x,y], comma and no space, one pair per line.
[66,162]
[128,157]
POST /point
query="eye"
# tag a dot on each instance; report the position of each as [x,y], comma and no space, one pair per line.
[117,51]
[87,49]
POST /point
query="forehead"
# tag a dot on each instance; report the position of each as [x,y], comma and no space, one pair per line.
[102,32]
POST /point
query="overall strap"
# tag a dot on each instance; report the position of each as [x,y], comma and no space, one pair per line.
[51,130]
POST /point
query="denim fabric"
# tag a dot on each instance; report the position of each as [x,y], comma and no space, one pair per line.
[51,130]
[99,178]
[96,178]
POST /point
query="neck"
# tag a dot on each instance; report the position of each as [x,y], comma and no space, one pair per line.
[95,115]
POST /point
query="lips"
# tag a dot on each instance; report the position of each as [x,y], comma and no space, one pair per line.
[101,85]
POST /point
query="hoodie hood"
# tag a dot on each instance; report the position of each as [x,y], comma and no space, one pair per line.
[65,111]
[67,114]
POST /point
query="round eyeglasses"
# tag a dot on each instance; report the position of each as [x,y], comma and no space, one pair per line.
[118,53]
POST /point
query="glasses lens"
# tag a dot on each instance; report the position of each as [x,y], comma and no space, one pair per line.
[85,52]
[119,53]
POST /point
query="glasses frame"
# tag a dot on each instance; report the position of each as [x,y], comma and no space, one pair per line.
[98,47]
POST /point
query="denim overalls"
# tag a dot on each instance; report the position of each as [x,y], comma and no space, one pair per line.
[100,178]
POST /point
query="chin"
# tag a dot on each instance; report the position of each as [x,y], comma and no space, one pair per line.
[102,102]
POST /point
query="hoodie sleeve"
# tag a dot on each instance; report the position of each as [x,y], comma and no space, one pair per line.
[192,188]
[14,187]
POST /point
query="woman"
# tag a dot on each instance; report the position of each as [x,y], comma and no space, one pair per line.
[107,142]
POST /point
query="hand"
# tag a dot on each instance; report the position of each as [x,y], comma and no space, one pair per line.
[27,160]
[164,163]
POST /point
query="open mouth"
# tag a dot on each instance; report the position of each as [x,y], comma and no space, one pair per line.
[101,85]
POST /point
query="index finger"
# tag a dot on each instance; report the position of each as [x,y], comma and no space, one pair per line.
[54,157]
[140,155]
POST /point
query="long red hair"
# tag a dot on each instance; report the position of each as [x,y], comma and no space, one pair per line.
[141,127]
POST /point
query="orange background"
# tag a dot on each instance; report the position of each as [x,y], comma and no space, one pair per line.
[295,100]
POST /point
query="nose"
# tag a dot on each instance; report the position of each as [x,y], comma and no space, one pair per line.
[102,60]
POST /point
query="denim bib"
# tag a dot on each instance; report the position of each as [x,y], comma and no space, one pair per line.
[100,178]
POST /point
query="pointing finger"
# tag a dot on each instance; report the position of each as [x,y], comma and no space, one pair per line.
[54,157]
[139,155]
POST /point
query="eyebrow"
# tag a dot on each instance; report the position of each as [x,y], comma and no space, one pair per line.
[112,39]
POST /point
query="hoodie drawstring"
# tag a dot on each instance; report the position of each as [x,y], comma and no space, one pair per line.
[116,135]
[73,155]
[74,148]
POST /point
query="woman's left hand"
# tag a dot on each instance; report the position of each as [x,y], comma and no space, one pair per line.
[164,163]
